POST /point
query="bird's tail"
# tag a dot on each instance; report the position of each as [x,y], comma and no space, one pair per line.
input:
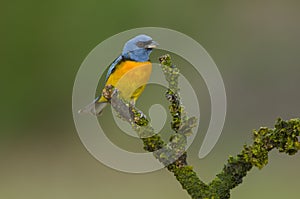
[94,108]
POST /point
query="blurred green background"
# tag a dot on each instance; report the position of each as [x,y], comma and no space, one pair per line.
[256,46]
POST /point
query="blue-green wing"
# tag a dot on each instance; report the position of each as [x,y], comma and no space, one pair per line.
[113,66]
[96,107]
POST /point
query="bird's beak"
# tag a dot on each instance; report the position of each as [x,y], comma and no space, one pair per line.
[153,44]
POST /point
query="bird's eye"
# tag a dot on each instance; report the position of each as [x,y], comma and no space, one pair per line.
[140,44]
[143,44]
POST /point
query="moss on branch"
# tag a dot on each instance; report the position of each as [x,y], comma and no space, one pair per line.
[284,137]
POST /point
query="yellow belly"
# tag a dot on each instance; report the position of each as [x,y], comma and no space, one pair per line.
[130,78]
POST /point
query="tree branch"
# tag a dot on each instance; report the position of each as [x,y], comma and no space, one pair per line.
[283,137]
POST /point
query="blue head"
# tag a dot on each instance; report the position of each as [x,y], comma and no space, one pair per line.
[139,48]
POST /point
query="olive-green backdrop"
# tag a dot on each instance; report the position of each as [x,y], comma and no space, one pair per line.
[255,45]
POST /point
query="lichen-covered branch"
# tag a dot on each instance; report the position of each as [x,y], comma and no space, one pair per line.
[283,137]
[182,125]
[171,154]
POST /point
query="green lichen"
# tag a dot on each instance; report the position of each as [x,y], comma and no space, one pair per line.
[284,137]
[170,71]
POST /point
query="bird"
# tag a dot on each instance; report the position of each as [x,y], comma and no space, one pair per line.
[129,73]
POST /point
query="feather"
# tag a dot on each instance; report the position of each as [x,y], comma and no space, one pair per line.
[94,108]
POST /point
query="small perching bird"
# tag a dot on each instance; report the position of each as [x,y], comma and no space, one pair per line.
[129,73]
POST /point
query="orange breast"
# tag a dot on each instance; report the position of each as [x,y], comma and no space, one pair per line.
[130,78]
